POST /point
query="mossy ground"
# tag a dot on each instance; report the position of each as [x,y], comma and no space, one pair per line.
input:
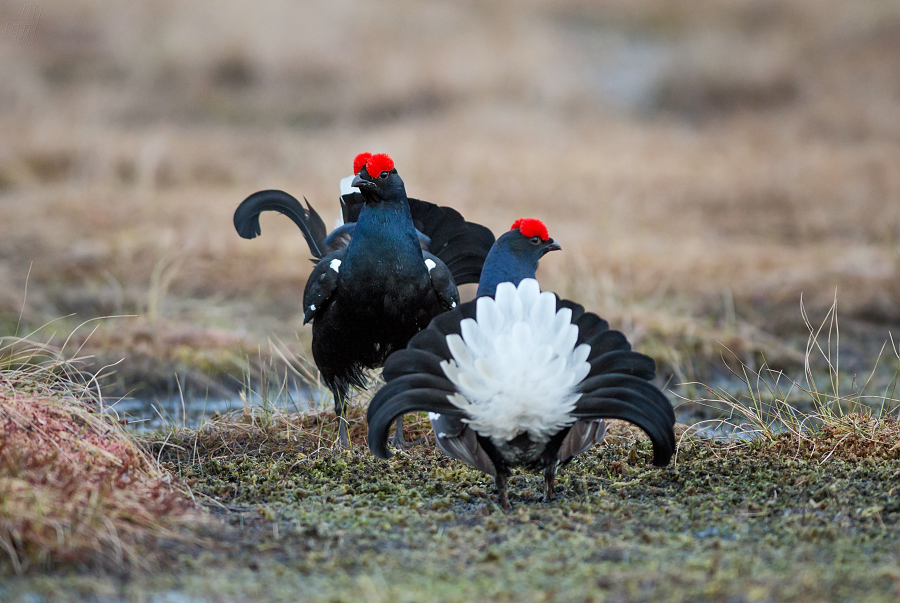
[293,519]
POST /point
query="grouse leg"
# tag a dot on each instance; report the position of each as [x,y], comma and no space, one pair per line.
[549,479]
[342,433]
[398,439]
[339,406]
[500,482]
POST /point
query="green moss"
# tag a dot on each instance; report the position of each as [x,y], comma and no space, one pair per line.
[743,522]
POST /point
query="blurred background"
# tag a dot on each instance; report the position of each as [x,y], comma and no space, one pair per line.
[704,163]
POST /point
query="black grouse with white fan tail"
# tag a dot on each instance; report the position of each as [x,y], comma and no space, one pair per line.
[519,377]
[374,286]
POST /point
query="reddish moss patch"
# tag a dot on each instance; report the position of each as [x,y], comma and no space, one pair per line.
[73,487]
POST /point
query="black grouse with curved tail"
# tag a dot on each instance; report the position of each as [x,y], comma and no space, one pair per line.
[374,286]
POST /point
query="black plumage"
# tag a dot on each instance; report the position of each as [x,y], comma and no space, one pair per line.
[374,286]
[615,386]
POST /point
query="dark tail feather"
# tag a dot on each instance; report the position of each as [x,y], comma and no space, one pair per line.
[461,245]
[246,217]
[465,254]
[645,407]
[387,405]
[659,431]
[411,361]
[628,383]
[618,385]
[417,381]
[622,361]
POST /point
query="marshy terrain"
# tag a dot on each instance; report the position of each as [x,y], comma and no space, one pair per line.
[724,178]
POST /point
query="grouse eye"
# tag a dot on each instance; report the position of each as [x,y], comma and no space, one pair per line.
[536,240]
[384,175]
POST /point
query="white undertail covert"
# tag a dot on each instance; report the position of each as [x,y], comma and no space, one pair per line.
[516,366]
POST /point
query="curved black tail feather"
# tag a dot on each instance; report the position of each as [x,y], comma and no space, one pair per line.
[246,217]
[404,395]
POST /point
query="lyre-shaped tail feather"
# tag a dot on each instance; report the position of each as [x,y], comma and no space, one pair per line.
[461,245]
[618,384]
[246,217]
[632,399]
[416,392]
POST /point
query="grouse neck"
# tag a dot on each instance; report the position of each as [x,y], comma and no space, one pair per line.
[504,266]
[384,235]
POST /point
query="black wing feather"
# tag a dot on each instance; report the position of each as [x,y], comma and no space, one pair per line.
[320,285]
[339,237]
[442,282]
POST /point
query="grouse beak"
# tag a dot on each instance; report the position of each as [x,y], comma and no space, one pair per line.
[362,184]
[552,246]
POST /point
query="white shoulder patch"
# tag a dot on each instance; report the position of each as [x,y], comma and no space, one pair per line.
[312,307]
[516,365]
[429,263]
[346,189]
[335,265]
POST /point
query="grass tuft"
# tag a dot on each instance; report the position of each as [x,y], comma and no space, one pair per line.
[825,409]
[74,488]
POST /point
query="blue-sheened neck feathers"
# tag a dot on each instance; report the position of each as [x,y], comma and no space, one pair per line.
[502,265]
[384,230]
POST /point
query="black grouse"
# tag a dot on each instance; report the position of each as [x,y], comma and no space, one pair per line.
[381,276]
[520,377]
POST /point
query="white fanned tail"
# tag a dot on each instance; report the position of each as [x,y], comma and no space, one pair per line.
[516,366]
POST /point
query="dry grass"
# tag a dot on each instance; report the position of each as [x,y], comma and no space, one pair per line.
[755,160]
[823,414]
[74,488]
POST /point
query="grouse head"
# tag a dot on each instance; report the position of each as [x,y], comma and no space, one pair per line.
[515,255]
[377,179]
[529,239]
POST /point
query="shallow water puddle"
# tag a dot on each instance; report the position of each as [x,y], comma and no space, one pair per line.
[158,412]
